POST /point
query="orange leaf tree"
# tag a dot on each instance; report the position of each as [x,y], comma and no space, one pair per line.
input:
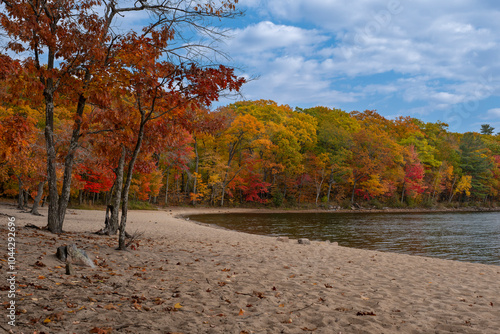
[73,51]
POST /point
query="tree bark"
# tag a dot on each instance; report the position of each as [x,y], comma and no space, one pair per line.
[166,186]
[113,225]
[54,224]
[353,189]
[330,184]
[451,191]
[20,200]
[126,188]
[38,197]
[403,193]
[196,166]
[70,157]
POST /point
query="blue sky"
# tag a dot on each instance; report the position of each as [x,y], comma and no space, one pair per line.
[433,60]
[429,59]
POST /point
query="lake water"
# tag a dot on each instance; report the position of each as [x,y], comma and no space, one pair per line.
[470,237]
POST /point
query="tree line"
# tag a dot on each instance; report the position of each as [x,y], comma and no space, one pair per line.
[265,153]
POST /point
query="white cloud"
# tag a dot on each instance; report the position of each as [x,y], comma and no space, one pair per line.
[424,56]
[266,36]
[493,114]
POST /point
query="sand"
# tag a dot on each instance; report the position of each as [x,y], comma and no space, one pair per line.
[184,277]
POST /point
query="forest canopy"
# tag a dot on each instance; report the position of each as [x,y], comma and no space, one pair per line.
[267,154]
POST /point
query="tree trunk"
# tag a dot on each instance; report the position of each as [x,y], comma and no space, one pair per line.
[318,191]
[54,224]
[436,183]
[166,186]
[222,196]
[39,194]
[353,189]
[403,193]
[330,184]
[70,158]
[26,197]
[451,191]
[197,161]
[20,200]
[115,201]
[123,222]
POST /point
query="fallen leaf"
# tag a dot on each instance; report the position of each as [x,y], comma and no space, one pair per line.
[241,312]
[40,264]
[281,305]
[41,277]
[98,330]
[110,307]
[365,313]
[259,294]
[178,306]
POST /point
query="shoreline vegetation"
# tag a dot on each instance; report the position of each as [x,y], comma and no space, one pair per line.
[356,208]
[184,277]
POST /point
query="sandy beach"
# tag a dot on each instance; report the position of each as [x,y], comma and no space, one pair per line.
[184,277]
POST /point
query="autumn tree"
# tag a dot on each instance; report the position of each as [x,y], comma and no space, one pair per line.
[374,158]
[70,45]
[475,162]
[335,130]
[487,129]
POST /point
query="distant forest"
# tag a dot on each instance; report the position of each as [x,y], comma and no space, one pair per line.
[255,153]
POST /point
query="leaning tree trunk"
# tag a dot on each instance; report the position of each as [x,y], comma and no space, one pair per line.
[70,157]
[330,184]
[38,197]
[451,191]
[113,225]
[58,205]
[126,188]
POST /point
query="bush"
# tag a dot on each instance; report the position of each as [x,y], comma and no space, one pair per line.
[376,204]
[140,205]
[277,199]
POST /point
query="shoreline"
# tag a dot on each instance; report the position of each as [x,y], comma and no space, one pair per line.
[189,278]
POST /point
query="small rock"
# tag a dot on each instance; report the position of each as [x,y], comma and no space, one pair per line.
[69,269]
[78,256]
[283,239]
[61,253]
[304,241]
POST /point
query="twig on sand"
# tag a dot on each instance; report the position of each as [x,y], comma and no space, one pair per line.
[136,235]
